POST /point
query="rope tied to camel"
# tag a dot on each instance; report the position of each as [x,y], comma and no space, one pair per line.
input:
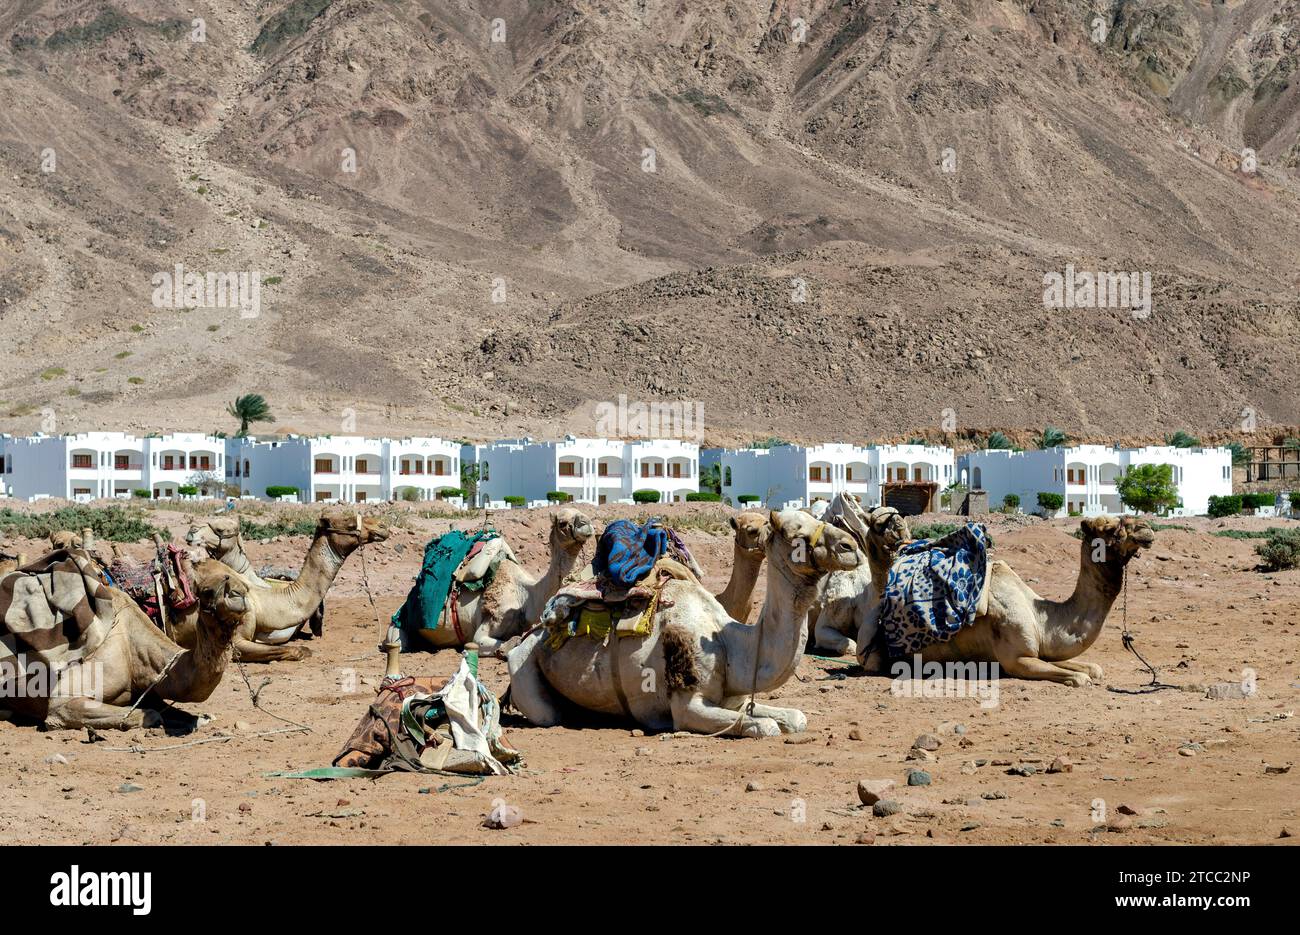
[1128,640]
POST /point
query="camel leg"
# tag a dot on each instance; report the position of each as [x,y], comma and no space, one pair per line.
[693,712]
[789,719]
[247,651]
[1031,667]
[86,712]
[829,636]
[870,651]
[529,693]
[1091,669]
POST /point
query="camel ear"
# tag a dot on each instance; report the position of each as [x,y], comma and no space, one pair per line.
[732,520]
[774,518]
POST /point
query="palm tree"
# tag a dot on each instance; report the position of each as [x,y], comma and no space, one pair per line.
[1181,439]
[1051,437]
[250,408]
[998,440]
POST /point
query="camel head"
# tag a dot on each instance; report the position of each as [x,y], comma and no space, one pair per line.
[888,527]
[571,530]
[810,548]
[65,539]
[1113,540]
[346,529]
[223,596]
[215,535]
[753,529]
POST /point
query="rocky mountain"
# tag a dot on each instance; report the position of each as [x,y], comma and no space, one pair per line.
[479,218]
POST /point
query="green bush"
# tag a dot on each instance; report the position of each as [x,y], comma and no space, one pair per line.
[1228,505]
[1281,551]
[188,490]
[409,494]
[1050,502]
[1253,501]
[276,491]
[1011,502]
[748,498]
[645,496]
[558,496]
[113,524]
[704,496]
[514,500]
[447,492]
[1294,497]
[142,494]
[939,530]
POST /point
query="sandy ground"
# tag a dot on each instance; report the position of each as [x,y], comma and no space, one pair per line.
[1197,607]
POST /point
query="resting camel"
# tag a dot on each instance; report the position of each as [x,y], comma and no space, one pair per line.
[134,654]
[845,597]
[1028,636]
[220,536]
[697,667]
[514,598]
[752,532]
[275,614]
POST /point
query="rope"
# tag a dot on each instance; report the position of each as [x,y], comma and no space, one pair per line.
[1126,637]
[365,583]
[161,675]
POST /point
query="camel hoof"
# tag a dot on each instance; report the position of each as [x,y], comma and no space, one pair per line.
[796,723]
[297,654]
[1095,672]
[1078,680]
[762,727]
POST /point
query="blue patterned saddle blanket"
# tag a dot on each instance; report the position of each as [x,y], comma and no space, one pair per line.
[933,589]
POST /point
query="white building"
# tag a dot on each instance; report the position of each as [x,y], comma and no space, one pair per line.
[794,475]
[347,469]
[1086,475]
[591,470]
[90,465]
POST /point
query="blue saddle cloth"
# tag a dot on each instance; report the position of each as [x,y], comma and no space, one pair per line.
[933,588]
[627,551]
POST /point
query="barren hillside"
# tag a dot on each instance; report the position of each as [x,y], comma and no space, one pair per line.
[851,210]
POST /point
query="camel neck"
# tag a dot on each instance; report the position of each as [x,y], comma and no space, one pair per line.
[1077,621]
[736,596]
[196,672]
[543,589]
[767,652]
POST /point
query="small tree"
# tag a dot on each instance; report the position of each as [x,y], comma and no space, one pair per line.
[250,408]
[469,478]
[142,494]
[275,492]
[1294,497]
[558,496]
[748,498]
[1050,502]
[645,496]
[514,500]
[1181,439]
[997,440]
[711,478]
[1050,437]
[1228,505]
[1148,488]
[1011,503]
[770,442]
[187,490]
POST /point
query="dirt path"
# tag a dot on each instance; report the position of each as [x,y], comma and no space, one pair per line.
[1195,605]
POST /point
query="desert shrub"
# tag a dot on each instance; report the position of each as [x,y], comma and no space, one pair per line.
[645,496]
[1050,502]
[748,498]
[704,496]
[278,526]
[1247,533]
[287,24]
[1227,505]
[1011,502]
[114,524]
[1281,551]
[1294,497]
[558,496]
[515,500]
[409,494]
[276,491]
[1253,501]
[141,493]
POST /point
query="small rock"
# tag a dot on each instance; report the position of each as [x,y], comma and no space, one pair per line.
[886,807]
[1119,825]
[56,759]
[1061,765]
[856,734]
[1022,771]
[1128,810]
[970,826]
[1225,691]
[752,786]
[995,794]
[918,777]
[246,807]
[643,751]
[927,742]
[1276,770]
[243,725]
[871,791]
[865,838]
[923,756]
[130,787]
[1284,833]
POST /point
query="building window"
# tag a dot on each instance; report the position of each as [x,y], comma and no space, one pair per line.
[814,473]
[602,470]
[361,466]
[484,474]
[567,469]
[677,470]
[727,476]
[848,474]
[121,462]
[324,466]
[83,461]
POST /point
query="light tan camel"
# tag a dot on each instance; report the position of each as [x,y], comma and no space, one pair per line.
[845,597]
[697,667]
[514,599]
[136,659]
[752,532]
[1028,636]
[276,613]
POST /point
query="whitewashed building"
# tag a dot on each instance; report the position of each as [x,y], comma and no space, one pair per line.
[795,475]
[591,470]
[91,465]
[346,468]
[1086,475]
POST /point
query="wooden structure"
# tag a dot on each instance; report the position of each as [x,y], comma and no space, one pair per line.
[1272,462]
[910,498]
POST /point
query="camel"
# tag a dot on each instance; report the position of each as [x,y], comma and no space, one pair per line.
[752,532]
[67,539]
[221,538]
[1028,636]
[137,663]
[697,667]
[514,599]
[845,597]
[275,614]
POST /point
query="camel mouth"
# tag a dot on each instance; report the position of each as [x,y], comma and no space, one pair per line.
[1145,537]
[583,532]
